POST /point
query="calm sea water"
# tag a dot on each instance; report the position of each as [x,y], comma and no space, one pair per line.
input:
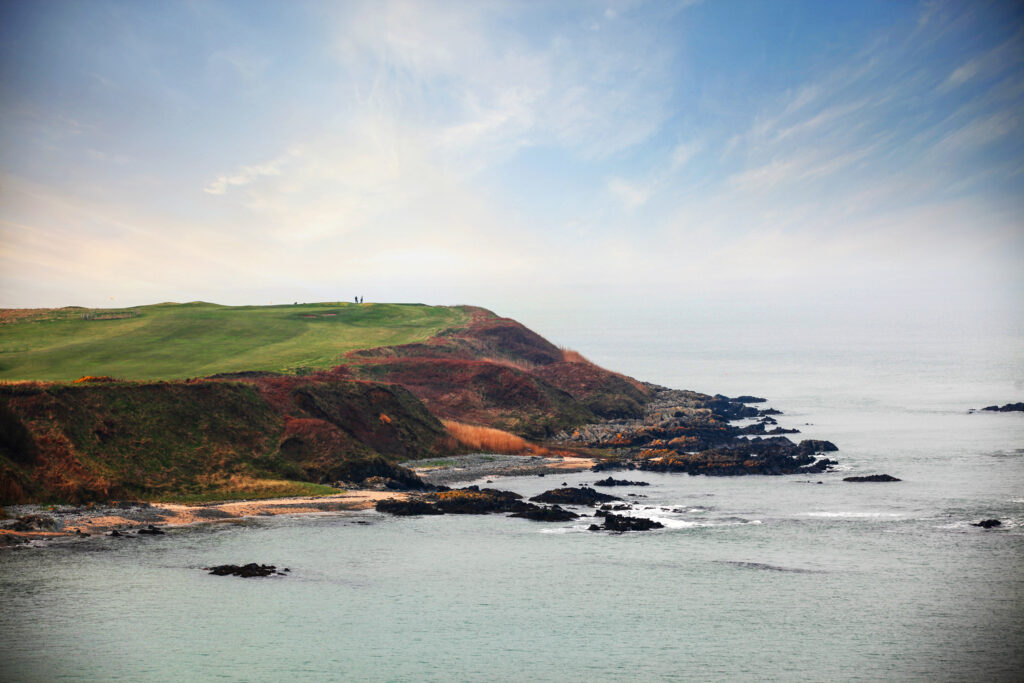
[770,578]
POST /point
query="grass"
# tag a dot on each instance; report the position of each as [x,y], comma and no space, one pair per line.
[252,490]
[173,341]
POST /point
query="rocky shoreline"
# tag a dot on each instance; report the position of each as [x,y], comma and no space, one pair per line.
[684,431]
[463,468]
[680,431]
[32,523]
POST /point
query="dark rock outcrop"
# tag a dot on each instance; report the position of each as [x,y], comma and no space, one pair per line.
[407,508]
[624,523]
[246,571]
[872,477]
[620,482]
[988,523]
[1008,408]
[540,513]
[152,531]
[473,500]
[583,495]
[35,523]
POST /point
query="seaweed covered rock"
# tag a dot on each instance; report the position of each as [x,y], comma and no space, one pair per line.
[583,495]
[473,500]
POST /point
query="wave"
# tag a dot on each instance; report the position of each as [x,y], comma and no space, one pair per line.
[772,567]
[854,515]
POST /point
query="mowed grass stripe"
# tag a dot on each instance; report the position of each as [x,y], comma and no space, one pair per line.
[172,341]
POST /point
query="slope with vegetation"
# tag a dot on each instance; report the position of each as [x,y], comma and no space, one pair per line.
[294,398]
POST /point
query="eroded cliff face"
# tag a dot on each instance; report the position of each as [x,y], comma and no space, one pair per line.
[81,443]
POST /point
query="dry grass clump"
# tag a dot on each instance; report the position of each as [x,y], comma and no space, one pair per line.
[94,378]
[490,440]
[515,363]
[570,356]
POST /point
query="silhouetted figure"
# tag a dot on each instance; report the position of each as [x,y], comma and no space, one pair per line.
[360,299]
[356,299]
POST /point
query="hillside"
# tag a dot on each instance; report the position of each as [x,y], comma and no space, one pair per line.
[286,398]
[176,341]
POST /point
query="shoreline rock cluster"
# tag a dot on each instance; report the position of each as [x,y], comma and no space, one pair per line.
[683,431]
[476,501]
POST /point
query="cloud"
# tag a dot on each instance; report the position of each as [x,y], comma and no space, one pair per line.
[1004,57]
[552,85]
[245,175]
[630,194]
[683,152]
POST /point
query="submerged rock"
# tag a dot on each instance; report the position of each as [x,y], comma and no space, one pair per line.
[152,531]
[246,571]
[583,495]
[873,477]
[988,523]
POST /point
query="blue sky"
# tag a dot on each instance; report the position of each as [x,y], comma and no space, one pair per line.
[483,152]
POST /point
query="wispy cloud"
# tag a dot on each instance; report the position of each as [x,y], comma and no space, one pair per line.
[245,175]
[1004,57]
[630,194]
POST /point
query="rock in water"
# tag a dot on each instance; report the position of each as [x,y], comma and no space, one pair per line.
[620,482]
[583,495]
[152,531]
[988,523]
[473,500]
[623,523]
[546,514]
[246,571]
[873,477]
[1008,408]
[407,508]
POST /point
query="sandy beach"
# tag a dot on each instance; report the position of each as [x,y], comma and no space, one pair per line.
[68,521]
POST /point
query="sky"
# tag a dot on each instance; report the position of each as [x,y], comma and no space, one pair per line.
[636,154]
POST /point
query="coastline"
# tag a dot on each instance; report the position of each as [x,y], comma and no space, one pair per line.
[69,521]
[466,468]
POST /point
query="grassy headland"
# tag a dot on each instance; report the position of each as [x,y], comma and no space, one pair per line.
[199,401]
[174,341]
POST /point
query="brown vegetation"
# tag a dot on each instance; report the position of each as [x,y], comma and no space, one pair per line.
[490,440]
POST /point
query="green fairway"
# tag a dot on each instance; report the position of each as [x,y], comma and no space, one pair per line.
[170,341]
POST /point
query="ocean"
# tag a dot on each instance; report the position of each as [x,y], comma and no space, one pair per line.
[753,578]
